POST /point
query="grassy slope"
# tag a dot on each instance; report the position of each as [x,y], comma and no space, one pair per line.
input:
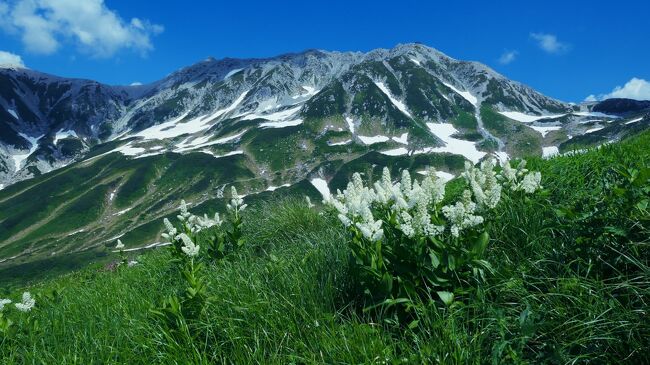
[285,299]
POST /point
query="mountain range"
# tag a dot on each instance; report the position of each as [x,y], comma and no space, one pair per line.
[83,163]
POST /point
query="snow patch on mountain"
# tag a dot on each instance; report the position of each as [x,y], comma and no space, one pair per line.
[282,124]
[19,158]
[544,130]
[401,151]
[465,94]
[232,73]
[400,105]
[403,139]
[347,141]
[444,131]
[177,127]
[321,186]
[368,140]
[526,118]
[64,134]
[350,122]
[634,120]
[13,113]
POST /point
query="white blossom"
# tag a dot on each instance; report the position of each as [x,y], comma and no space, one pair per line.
[483,183]
[531,182]
[4,302]
[120,245]
[371,230]
[236,202]
[189,248]
[27,303]
[185,214]
[461,215]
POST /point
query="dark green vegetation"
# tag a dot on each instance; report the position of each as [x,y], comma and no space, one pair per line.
[520,140]
[571,284]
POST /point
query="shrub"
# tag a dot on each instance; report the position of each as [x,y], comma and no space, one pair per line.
[407,247]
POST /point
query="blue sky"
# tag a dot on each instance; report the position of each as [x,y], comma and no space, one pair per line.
[565,49]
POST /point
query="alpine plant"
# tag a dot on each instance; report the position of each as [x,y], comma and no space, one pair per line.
[409,247]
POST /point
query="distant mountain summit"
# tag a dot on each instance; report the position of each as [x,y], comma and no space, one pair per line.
[47,122]
[83,163]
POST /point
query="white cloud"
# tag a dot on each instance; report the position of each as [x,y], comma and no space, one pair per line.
[10,59]
[638,89]
[507,57]
[43,25]
[137,83]
[549,43]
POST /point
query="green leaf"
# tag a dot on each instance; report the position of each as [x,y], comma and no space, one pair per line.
[481,243]
[446,297]
[435,260]
[413,324]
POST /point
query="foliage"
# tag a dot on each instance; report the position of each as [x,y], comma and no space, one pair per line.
[407,246]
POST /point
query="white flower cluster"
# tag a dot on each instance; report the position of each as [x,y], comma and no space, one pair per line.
[27,303]
[196,223]
[413,208]
[520,179]
[236,204]
[4,302]
[120,245]
[410,202]
[461,215]
[483,183]
[189,248]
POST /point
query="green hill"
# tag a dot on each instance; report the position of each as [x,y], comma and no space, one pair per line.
[570,280]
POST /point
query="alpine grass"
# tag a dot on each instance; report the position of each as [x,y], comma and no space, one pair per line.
[569,283]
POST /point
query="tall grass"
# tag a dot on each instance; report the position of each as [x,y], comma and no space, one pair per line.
[285,297]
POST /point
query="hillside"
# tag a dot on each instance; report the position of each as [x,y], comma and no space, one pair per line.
[568,284]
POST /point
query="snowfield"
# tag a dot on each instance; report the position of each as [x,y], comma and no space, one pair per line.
[395,152]
[403,139]
[526,118]
[465,94]
[400,105]
[64,134]
[175,127]
[321,186]
[444,131]
[544,130]
[634,120]
[368,140]
[350,124]
[19,158]
[550,151]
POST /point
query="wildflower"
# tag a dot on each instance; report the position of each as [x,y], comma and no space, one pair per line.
[309,203]
[434,187]
[460,215]
[120,245]
[171,230]
[189,248]
[236,202]
[483,183]
[27,304]
[206,222]
[371,230]
[220,192]
[185,214]
[345,220]
[531,182]
[132,263]
[4,302]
